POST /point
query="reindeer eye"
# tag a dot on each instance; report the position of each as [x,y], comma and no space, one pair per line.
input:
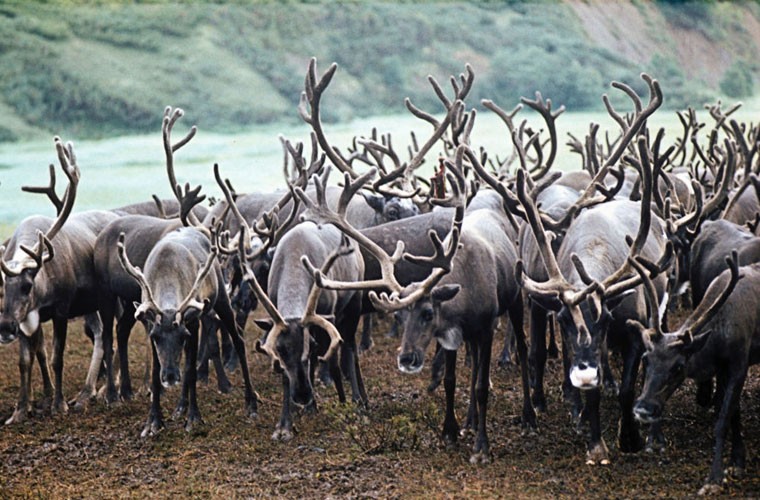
[26,288]
[677,369]
[427,315]
[393,213]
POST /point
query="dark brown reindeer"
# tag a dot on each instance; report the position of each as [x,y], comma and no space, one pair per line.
[720,338]
[470,283]
[48,275]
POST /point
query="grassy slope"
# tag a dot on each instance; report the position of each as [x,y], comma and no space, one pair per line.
[99,70]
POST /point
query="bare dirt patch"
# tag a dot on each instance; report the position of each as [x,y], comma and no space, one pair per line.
[393,450]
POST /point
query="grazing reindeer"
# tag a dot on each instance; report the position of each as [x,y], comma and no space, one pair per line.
[48,275]
[721,338]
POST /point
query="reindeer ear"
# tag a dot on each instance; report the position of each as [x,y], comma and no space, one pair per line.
[375,201]
[697,343]
[144,313]
[265,324]
[443,293]
[191,313]
[614,302]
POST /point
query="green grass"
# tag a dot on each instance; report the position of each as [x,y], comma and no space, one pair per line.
[130,169]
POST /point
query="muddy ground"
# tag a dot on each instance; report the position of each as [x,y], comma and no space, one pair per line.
[393,450]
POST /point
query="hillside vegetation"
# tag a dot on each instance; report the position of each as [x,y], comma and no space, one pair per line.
[97,69]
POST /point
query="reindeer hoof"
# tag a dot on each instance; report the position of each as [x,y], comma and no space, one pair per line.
[735,472]
[709,489]
[598,455]
[152,428]
[179,412]
[192,423]
[60,408]
[281,434]
[479,458]
[17,417]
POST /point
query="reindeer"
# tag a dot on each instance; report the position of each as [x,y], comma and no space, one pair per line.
[48,275]
[306,326]
[592,290]
[720,338]
[437,308]
[181,281]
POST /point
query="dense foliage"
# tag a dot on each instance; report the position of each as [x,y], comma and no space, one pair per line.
[102,68]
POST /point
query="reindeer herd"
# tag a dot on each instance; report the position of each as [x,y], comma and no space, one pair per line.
[605,252]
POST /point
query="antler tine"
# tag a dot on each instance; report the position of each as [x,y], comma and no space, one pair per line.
[311,100]
[167,125]
[68,162]
[204,270]
[320,212]
[704,311]
[651,297]
[457,181]
[159,207]
[310,315]
[48,190]
[232,206]
[188,199]
[645,217]
[148,301]
[544,108]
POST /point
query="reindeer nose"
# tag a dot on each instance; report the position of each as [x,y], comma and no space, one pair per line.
[8,331]
[170,377]
[647,411]
[410,362]
[585,376]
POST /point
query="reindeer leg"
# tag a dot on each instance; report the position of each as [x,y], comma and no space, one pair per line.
[471,422]
[365,344]
[450,425]
[730,405]
[23,407]
[227,318]
[537,356]
[155,421]
[516,320]
[347,327]
[59,343]
[334,367]
[628,431]
[481,451]
[38,347]
[123,331]
[552,351]
[436,368]
[505,357]
[99,342]
[597,453]
[738,453]
[191,377]
[284,429]
[204,349]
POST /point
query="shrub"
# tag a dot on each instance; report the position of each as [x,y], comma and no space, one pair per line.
[737,81]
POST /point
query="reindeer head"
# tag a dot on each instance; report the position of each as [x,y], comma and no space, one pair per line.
[668,354]
[422,323]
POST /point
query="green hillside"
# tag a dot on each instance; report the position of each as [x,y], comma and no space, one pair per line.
[94,69]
